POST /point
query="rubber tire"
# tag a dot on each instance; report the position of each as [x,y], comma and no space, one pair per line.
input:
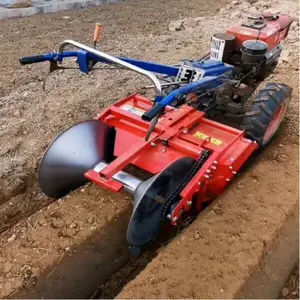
[262,111]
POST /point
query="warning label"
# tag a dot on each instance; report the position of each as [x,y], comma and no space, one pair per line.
[132,109]
[203,136]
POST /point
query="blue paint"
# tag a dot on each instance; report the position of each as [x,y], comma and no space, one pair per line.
[83,61]
[208,82]
[212,67]
[214,72]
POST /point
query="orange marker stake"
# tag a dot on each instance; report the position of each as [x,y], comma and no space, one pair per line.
[97,33]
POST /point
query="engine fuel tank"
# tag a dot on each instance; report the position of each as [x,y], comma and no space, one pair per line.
[269,29]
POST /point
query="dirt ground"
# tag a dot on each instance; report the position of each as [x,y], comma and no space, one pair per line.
[31,118]
[291,288]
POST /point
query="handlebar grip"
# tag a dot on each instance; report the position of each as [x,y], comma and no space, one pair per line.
[153,112]
[32,59]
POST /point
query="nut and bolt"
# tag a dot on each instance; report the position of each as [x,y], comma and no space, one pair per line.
[153,144]
[206,176]
[189,203]
[208,171]
[215,162]
[230,167]
[227,179]
[163,150]
[214,167]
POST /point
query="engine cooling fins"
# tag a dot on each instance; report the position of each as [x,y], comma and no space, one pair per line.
[71,154]
[147,218]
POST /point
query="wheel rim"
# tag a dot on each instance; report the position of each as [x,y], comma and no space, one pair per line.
[274,124]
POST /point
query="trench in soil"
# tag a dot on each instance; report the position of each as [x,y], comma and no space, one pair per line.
[104,258]
[105,261]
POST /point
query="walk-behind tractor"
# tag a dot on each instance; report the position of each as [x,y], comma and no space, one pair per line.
[175,136]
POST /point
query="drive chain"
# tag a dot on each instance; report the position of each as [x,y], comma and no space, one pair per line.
[166,208]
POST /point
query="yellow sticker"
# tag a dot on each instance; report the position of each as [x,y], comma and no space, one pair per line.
[200,135]
[203,136]
[216,142]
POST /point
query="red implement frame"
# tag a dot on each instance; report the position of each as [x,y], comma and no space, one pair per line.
[183,132]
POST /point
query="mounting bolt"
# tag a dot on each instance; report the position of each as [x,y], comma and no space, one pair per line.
[153,144]
[163,150]
[207,171]
[199,182]
[234,172]
[169,216]
[227,179]
[189,203]
[214,167]
[185,131]
[230,167]
[175,219]
[206,176]
[231,159]
[215,162]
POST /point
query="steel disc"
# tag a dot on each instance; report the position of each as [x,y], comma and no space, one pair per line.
[71,154]
[146,218]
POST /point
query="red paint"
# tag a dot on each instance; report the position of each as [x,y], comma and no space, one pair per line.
[274,32]
[274,124]
[172,139]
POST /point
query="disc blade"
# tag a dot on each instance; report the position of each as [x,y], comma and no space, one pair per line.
[146,218]
[71,154]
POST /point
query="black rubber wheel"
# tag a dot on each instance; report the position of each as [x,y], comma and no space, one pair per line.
[266,113]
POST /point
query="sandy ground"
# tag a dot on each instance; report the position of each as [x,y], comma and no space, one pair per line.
[31,118]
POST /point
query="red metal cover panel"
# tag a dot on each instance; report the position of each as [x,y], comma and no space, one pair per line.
[274,32]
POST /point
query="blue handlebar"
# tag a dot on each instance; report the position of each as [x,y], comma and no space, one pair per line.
[36,59]
[159,107]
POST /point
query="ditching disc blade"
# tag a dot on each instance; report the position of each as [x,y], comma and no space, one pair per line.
[71,154]
[146,218]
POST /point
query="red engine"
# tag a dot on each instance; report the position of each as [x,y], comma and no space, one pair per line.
[252,47]
[267,28]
